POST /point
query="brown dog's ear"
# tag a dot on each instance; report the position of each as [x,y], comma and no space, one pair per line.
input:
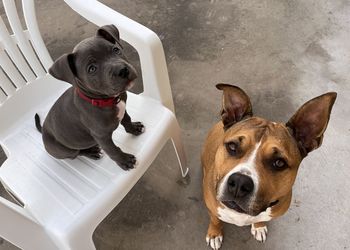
[110,33]
[64,68]
[236,104]
[310,121]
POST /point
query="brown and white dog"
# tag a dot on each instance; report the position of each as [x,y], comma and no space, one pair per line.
[250,164]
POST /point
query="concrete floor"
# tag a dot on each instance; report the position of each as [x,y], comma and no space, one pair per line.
[282,53]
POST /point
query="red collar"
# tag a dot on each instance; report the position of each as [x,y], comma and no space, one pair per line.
[101,102]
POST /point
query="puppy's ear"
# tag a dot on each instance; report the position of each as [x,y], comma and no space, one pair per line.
[64,68]
[236,104]
[109,32]
[310,121]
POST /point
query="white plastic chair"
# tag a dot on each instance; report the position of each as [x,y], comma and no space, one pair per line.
[65,200]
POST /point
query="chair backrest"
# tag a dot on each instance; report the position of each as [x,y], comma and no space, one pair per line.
[23,54]
[147,44]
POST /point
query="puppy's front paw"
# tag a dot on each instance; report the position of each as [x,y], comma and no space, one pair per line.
[127,162]
[136,128]
[259,233]
[214,241]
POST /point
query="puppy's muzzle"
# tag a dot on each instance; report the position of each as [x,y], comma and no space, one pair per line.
[124,72]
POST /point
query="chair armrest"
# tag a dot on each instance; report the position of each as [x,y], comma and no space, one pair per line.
[146,42]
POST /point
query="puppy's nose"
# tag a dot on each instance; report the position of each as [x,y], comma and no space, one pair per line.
[124,72]
[240,185]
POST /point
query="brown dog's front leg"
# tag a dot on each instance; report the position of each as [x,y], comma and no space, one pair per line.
[124,160]
[135,128]
[214,235]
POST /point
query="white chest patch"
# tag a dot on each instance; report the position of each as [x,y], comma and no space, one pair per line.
[121,110]
[231,216]
[247,168]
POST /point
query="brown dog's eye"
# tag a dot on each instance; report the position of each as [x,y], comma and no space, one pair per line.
[92,69]
[116,50]
[232,148]
[279,164]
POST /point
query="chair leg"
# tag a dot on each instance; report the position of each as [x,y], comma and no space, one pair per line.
[179,147]
[18,227]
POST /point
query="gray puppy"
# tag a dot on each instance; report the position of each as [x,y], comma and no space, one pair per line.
[82,120]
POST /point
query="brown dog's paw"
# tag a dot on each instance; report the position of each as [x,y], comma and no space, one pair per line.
[214,241]
[214,235]
[259,233]
[127,162]
[94,152]
[136,128]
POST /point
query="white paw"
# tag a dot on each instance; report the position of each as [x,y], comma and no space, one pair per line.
[259,233]
[214,243]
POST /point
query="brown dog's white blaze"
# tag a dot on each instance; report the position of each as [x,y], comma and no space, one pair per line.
[264,156]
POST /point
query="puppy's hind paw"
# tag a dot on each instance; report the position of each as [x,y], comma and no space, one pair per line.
[214,242]
[94,152]
[259,233]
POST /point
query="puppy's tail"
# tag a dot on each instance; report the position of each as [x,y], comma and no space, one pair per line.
[37,123]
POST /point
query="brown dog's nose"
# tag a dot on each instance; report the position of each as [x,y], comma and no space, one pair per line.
[240,185]
[124,72]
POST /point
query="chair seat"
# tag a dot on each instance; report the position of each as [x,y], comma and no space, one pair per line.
[57,191]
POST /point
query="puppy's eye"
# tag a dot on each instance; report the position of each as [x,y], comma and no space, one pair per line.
[279,164]
[232,148]
[92,69]
[116,50]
